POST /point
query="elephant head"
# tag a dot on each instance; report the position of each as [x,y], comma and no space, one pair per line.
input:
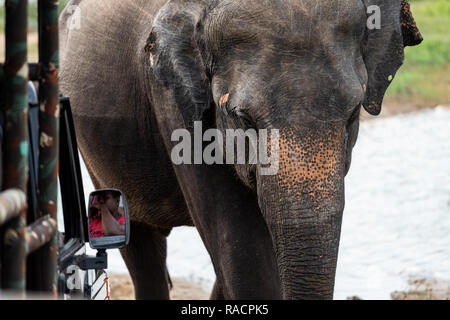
[303,67]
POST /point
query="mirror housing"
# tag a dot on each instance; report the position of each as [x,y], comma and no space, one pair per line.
[108,219]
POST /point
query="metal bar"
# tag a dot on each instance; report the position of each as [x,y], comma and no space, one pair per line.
[40,232]
[49,135]
[15,165]
[34,72]
[12,202]
[14,255]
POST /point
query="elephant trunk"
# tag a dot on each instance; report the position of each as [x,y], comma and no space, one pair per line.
[302,205]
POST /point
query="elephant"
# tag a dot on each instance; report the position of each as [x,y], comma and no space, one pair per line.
[137,70]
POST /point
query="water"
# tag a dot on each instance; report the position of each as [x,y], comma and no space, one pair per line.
[397,215]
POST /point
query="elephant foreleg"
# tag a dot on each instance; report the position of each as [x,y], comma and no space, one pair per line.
[145,257]
[217,292]
[234,232]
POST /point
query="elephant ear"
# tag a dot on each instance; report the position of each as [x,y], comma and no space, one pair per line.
[410,31]
[175,59]
[384,51]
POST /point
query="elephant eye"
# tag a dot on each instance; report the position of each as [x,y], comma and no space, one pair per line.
[244,117]
[238,113]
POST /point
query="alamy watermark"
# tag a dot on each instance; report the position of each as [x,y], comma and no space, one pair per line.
[74,21]
[374,20]
[237,147]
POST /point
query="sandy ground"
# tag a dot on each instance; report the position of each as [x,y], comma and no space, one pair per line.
[122,289]
[424,289]
[420,289]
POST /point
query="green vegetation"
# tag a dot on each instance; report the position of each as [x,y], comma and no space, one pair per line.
[424,78]
[32,14]
[32,27]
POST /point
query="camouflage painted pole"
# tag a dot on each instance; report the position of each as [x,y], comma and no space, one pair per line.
[15,161]
[15,166]
[49,135]
[12,202]
[40,232]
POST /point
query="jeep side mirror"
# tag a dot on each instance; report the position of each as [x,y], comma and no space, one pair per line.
[109,223]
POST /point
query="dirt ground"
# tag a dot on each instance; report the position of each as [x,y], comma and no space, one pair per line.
[424,289]
[420,289]
[122,289]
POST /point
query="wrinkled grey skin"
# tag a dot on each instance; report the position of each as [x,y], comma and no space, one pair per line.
[137,70]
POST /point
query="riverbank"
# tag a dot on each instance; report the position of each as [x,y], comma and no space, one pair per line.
[420,289]
[122,289]
[424,289]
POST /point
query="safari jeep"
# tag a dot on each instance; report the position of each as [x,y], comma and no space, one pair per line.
[44,225]
[81,276]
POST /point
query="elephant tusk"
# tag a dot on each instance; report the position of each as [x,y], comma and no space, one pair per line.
[224,99]
[148,48]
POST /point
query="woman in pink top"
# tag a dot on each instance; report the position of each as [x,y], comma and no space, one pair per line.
[105,218]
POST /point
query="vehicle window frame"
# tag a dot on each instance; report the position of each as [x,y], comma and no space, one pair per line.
[70,179]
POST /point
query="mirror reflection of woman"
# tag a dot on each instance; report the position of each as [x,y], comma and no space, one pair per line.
[105,216]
